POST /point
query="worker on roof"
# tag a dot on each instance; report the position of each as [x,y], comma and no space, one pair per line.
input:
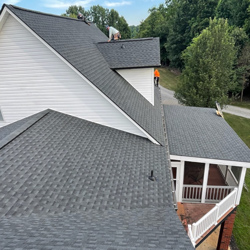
[157,77]
[114,34]
[82,17]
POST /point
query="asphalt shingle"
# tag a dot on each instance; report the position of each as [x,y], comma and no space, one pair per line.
[199,132]
[70,183]
[133,53]
[137,229]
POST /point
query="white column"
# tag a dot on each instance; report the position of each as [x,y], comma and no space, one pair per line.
[226,173]
[240,186]
[205,179]
[182,170]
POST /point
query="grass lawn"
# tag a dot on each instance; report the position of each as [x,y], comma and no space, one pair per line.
[241,229]
[168,79]
[244,104]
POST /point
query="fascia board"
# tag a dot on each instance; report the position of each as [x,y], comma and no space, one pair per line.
[3,17]
[211,161]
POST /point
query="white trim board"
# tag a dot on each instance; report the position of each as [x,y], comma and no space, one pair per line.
[211,161]
[7,11]
[3,18]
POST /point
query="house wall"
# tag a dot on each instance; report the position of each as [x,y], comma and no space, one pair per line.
[228,175]
[142,80]
[32,78]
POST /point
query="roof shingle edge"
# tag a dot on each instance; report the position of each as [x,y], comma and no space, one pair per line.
[23,128]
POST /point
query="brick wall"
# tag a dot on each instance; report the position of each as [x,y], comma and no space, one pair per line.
[226,232]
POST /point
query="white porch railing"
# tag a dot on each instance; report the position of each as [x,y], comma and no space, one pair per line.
[196,230]
[192,192]
[218,193]
[213,193]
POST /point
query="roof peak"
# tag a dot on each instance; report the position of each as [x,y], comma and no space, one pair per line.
[131,40]
[41,13]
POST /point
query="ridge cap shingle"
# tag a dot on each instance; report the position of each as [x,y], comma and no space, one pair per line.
[18,131]
[42,13]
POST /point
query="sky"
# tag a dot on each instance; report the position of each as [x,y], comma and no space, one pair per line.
[134,11]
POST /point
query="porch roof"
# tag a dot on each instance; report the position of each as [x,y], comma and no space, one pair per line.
[200,133]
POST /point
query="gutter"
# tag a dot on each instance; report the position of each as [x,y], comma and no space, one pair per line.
[168,157]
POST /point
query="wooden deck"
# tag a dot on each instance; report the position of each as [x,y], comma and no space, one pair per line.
[190,213]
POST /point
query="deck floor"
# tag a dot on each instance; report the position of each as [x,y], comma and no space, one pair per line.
[192,212]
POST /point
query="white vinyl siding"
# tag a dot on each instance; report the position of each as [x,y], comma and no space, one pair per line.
[32,79]
[142,80]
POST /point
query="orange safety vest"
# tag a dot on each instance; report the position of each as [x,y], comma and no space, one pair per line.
[157,73]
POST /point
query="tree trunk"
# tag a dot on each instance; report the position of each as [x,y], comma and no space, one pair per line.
[242,90]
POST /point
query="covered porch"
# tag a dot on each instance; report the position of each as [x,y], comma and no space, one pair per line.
[207,191]
[206,182]
[208,166]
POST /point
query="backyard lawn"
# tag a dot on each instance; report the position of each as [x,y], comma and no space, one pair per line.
[242,221]
[168,79]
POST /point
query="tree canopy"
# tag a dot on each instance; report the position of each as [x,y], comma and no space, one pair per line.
[208,75]
[178,22]
[156,26]
[101,17]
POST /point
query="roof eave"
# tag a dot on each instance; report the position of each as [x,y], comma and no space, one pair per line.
[137,67]
[210,160]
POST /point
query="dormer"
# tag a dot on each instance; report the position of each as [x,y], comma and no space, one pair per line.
[134,60]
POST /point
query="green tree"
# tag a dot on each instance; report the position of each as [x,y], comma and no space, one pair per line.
[123,27]
[236,11]
[247,22]
[208,75]
[187,18]
[243,69]
[134,31]
[113,18]
[156,26]
[101,17]
[224,9]
[73,11]
[240,39]
[119,22]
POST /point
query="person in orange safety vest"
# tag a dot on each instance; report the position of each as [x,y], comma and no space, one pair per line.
[157,77]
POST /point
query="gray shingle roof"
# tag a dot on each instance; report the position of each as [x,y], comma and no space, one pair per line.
[137,229]
[67,183]
[77,43]
[134,53]
[199,132]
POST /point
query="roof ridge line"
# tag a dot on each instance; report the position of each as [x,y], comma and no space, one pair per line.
[130,40]
[42,13]
[6,140]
